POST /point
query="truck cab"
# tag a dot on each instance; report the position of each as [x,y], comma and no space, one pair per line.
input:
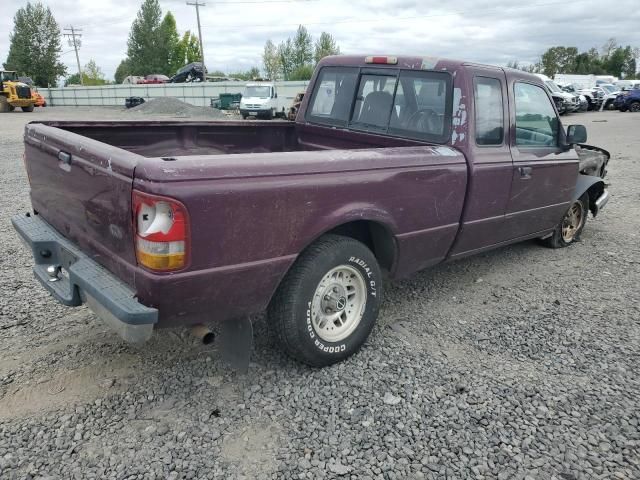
[260,100]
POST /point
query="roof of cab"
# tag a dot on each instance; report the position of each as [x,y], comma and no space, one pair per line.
[418,63]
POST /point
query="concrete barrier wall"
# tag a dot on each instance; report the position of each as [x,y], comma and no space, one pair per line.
[199,94]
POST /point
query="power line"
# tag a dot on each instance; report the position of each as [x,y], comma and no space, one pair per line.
[198,5]
[75,42]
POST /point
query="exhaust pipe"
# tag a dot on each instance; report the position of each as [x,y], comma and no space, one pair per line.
[202,333]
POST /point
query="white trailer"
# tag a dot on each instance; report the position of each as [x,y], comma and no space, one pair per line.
[581,81]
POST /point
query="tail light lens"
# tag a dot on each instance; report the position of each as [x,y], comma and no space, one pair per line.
[161,232]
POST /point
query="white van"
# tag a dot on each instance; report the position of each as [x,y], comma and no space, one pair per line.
[260,100]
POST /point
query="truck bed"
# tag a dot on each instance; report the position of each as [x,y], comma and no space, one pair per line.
[177,139]
[240,181]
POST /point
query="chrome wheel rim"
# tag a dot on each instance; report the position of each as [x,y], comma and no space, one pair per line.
[338,303]
[572,221]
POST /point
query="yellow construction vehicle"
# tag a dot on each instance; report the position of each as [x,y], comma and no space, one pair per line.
[14,93]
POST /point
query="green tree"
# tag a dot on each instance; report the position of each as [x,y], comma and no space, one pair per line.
[271,60]
[187,50]
[92,74]
[530,68]
[325,46]
[587,63]
[285,57]
[302,53]
[143,46]
[168,46]
[302,73]
[251,74]
[620,62]
[35,46]
[123,71]
[559,60]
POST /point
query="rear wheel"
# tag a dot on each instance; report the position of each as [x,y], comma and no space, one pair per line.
[570,227]
[327,304]
[28,109]
[635,107]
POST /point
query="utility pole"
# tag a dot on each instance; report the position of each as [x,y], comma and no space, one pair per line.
[197,4]
[75,44]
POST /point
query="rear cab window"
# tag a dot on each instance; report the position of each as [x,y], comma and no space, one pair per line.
[414,104]
[489,110]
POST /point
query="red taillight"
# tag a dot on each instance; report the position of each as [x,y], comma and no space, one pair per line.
[161,227]
[382,60]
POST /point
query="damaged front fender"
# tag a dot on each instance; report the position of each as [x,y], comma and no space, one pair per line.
[593,160]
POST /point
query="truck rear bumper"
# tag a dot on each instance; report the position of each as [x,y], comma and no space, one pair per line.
[73,278]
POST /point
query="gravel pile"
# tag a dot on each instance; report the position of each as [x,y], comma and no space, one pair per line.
[173,106]
[521,363]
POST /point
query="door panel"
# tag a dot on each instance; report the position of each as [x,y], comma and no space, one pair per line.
[544,175]
[491,168]
[542,187]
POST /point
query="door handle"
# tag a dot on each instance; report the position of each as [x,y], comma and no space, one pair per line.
[525,172]
[64,157]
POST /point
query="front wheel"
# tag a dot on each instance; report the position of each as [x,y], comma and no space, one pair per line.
[570,227]
[328,303]
[28,109]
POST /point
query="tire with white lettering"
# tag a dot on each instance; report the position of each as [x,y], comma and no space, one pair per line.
[327,304]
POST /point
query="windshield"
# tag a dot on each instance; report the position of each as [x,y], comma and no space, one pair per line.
[609,88]
[258,91]
[552,86]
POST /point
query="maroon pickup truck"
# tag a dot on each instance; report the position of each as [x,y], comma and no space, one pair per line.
[393,164]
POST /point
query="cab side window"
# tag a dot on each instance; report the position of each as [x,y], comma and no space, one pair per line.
[537,124]
[489,111]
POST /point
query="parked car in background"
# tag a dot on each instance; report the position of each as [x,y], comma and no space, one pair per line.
[260,100]
[192,72]
[394,164]
[627,84]
[132,80]
[610,94]
[154,78]
[628,100]
[566,102]
[594,95]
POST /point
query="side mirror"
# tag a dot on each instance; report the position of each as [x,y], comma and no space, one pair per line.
[275,95]
[576,134]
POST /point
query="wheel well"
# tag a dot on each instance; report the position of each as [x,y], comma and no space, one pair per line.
[375,236]
[594,191]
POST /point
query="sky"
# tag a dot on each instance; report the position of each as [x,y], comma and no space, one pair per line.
[235,31]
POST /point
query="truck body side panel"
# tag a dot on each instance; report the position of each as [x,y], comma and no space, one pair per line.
[252,227]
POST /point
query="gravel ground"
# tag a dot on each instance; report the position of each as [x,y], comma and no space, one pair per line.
[521,363]
[173,106]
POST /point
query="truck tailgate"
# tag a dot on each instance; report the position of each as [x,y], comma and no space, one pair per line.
[82,188]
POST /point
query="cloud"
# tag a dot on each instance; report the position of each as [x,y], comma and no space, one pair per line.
[234,32]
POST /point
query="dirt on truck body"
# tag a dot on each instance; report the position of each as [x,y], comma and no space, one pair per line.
[393,164]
